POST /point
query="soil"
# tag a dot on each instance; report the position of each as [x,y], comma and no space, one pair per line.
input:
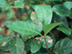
[4,53]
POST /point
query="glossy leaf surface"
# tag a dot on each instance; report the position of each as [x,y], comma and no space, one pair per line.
[44,13]
[48,40]
[23,28]
[63,19]
[63,46]
[67,31]
[68,4]
[16,46]
[49,27]
[4,39]
[33,45]
[61,10]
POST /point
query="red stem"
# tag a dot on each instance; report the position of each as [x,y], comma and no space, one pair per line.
[46,44]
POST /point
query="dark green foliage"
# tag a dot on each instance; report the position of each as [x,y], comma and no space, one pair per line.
[34,26]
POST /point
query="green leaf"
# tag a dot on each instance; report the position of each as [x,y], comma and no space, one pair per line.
[49,44]
[68,4]
[18,5]
[16,46]
[53,0]
[44,13]
[63,19]
[28,45]
[2,29]
[10,14]
[33,45]
[4,39]
[7,22]
[25,37]
[57,2]
[38,24]
[39,53]
[6,47]
[49,27]
[65,30]
[63,46]
[53,37]
[7,4]
[36,21]
[61,10]
[70,16]
[24,52]
[20,0]
[23,28]
[2,3]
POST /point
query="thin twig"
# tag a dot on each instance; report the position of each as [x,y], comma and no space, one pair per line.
[46,44]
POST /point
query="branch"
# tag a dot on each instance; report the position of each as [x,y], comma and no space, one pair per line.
[46,44]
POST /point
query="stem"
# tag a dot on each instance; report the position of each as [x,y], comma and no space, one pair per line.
[41,36]
[46,44]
